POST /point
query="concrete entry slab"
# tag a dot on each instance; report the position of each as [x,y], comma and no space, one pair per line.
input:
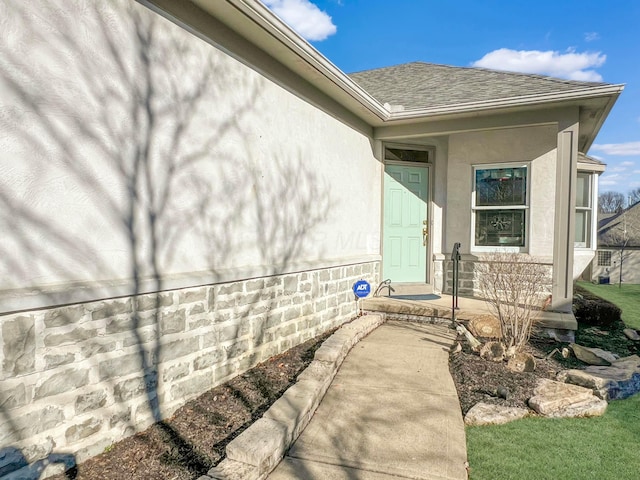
[392,409]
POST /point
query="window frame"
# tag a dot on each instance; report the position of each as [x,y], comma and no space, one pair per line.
[525,208]
[587,244]
[600,254]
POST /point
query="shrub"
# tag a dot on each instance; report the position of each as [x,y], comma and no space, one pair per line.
[595,311]
[513,285]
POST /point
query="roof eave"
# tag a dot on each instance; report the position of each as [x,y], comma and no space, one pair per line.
[513,102]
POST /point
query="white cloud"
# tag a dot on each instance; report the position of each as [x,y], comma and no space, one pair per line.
[623,149]
[591,36]
[609,180]
[570,65]
[304,17]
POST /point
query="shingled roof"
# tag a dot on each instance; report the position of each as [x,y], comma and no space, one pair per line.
[623,227]
[421,85]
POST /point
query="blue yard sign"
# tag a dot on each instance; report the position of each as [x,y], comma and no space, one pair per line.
[361,288]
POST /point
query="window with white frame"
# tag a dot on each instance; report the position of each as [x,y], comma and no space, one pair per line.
[584,204]
[604,258]
[500,205]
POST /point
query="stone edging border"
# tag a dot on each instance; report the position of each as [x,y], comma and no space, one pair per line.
[258,450]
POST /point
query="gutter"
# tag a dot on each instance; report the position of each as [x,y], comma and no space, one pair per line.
[528,100]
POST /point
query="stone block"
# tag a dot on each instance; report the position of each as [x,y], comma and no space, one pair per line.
[193,385]
[13,397]
[18,345]
[229,332]
[192,296]
[95,347]
[119,366]
[153,301]
[252,286]
[62,382]
[292,313]
[286,330]
[222,372]
[74,336]
[262,445]
[175,372]
[111,309]
[290,284]
[296,406]
[83,430]
[134,387]
[230,288]
[173,322]
[208,359]
[179,348]
[52,361]
[249,299]
[196,310]
[90,401]
[59,317]
[274,319]
[232,470]
[42,420]
[237,349]
[141,337]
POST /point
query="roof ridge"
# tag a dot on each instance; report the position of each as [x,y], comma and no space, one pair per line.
[488,70]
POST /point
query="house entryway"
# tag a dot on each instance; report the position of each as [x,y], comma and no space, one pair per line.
[406,223]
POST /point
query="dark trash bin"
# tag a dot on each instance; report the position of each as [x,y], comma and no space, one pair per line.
[603,279]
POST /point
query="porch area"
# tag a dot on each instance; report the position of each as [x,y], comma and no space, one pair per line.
[421,302]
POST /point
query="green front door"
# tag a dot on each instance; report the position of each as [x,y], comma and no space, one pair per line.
[405,220]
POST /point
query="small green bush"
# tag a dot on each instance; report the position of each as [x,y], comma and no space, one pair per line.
[595,311]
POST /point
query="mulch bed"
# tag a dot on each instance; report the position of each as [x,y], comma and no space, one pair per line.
[193,440]
[478,380]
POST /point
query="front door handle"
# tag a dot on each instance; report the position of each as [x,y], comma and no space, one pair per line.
[424,237]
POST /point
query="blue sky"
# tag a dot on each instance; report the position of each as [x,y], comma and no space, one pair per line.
[594,40]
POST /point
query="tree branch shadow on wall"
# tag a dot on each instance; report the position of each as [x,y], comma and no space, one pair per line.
[135,136]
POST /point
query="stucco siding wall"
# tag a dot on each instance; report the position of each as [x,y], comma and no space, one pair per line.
[536,145]
[137,156]
[170,218]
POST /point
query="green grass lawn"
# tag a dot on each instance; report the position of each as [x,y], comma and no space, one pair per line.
[599,448]
[627,298]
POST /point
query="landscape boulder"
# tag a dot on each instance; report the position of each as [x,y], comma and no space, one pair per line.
[631,334]
[619,380]
[560,400]
[485,326]
[489,414]
[492,351]
[522,362]
[593,356]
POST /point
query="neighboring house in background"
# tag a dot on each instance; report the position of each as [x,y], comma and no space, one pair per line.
[618,254]
[190,188]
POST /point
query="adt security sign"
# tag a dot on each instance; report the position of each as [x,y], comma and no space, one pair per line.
[361,288]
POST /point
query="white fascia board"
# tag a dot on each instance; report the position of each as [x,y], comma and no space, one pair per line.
[524,101]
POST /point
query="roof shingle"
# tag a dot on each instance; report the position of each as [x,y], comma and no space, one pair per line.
[420,85]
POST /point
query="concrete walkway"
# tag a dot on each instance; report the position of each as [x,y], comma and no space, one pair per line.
[391,412]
